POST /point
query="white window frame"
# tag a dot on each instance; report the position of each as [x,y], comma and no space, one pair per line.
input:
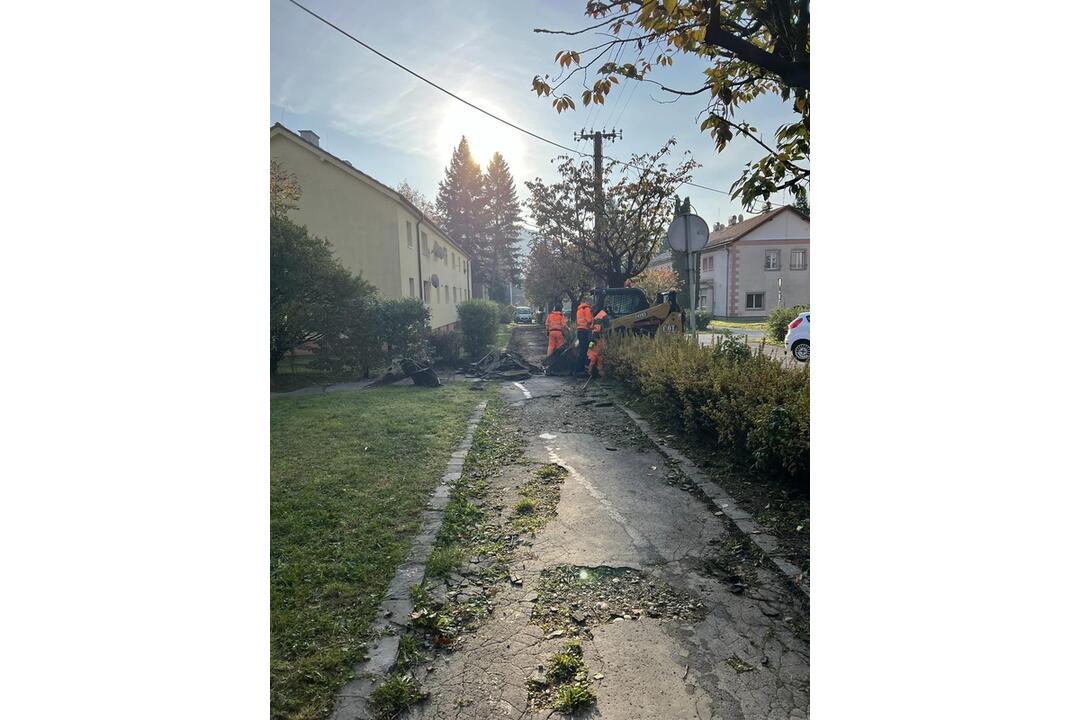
[756,307]
[803,254]
[408,234]
[768,253]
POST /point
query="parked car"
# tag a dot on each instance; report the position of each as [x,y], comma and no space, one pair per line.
[523,315]
[797,340]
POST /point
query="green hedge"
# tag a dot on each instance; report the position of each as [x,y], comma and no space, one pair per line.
[777,322]
[479,321]
[757,410]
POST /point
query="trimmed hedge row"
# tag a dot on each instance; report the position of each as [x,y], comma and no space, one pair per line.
[757,410]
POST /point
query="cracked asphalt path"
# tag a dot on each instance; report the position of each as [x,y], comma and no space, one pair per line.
[743,660]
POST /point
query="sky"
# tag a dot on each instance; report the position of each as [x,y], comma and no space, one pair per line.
[396,128]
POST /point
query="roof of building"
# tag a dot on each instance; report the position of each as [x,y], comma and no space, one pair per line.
[731,233]
[318,149]
[728,235]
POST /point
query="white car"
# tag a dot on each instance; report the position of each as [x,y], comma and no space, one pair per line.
[797,340]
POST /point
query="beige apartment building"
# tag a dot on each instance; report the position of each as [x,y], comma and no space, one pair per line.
[748,267]
[374,231]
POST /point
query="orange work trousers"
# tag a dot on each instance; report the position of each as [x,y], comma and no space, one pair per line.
[555,340]
[595,364]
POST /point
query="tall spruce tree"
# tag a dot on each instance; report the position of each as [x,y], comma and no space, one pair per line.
[461,204]
[502,227]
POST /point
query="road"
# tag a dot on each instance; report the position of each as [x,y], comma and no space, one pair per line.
[628,534]
[773,351]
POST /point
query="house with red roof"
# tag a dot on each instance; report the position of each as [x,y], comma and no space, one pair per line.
[751,266]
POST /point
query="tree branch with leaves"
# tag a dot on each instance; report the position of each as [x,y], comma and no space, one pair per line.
[753,49]
[634,218]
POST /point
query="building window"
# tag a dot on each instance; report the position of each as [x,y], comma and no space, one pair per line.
[798,259]
[447,289]
[455,294]
[755,301]
[412,286]
[427,291]
[423,243]
[772,259]
[408,233]
[707,263]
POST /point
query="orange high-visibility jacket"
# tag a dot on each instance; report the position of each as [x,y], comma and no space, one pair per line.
[598,320]
[584,316]
[555,321]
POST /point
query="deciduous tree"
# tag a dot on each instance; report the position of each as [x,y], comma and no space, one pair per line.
[752,49]
[554,271]
[656,280]
[307,287]
[421,202]
[284,190]
[634,219]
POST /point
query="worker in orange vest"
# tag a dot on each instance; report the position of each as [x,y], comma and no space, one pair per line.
[555,324]
[584,333]
[594,357]
[600,320]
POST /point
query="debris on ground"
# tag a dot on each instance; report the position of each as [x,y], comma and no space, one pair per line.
[563,361]
[503,366]
[419,373]
[572,598]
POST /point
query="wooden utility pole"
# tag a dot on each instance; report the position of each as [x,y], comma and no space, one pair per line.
[598,137]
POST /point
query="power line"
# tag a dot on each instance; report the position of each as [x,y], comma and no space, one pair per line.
[418,76]
[460,99]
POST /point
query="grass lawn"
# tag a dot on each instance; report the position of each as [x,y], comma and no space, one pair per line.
[737,325]
[350,474]
[297,372]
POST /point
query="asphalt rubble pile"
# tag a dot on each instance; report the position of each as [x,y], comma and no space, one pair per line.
[503,366]
[419,373]
[571,598]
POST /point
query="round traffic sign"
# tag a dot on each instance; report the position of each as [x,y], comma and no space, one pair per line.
[688,233]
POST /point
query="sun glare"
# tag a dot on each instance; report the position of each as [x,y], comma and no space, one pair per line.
[485,135]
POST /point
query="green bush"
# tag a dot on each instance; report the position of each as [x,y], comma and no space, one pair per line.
[506,314]
[703,317]
[479,321]
[757,411]
[406,328]
[448,346]
[777,322]
[307,287]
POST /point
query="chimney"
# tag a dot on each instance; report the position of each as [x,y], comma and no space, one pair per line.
[717,226]
[732,220]
[740,217]
[310,136]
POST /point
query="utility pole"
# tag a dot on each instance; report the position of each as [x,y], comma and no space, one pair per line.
[598,137]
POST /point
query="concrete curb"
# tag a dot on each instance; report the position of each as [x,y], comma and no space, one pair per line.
[727,505]
[393,614]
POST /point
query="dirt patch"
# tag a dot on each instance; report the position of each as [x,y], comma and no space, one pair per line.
[539,499]
[572,598]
